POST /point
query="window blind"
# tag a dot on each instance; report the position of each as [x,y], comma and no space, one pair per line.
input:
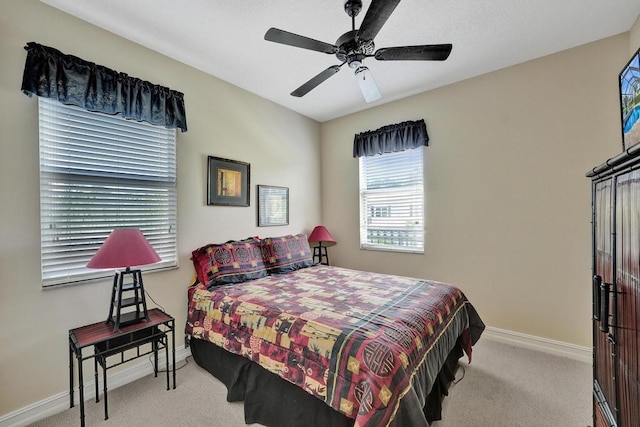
[99,172]
[392,201]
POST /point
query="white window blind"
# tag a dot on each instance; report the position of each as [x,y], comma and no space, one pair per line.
[99,172]
[392,201]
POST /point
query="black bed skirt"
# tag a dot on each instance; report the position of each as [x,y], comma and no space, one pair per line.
[272,401]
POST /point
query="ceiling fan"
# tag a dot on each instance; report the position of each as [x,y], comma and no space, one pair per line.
[354,46]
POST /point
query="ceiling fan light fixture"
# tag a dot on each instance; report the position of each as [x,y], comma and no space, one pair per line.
[367,84]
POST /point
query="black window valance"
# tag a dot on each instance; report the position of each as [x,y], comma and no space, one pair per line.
[50,73]
[391,138]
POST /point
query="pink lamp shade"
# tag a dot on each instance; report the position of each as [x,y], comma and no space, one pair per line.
[125,247]
[321,234]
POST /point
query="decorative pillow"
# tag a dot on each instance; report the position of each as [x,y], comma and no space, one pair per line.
[287,253]
[231,262]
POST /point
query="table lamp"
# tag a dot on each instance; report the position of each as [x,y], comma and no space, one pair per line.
[125,248]
[321,235]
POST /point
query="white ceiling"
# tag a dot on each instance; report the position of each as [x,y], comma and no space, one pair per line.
[225,38]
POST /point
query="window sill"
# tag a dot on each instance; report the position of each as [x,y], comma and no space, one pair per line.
[397,250]
[100,276]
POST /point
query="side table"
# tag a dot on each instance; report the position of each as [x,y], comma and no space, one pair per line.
[106,343]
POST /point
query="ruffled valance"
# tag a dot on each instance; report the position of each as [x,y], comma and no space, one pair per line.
[391,138]
[50,73]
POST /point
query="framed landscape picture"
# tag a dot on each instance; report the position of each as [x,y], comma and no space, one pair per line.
[273,205]
[228,182]
[630,102]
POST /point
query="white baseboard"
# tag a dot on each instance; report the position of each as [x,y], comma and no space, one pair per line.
[532,342]
[60,402]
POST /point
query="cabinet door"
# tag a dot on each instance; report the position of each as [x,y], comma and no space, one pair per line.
[628,297]
[604,348]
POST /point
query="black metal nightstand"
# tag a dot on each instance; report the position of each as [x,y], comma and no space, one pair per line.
[107,343]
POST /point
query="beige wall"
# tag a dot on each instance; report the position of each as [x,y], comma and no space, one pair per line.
[634,37]
[223,121]
[508,204]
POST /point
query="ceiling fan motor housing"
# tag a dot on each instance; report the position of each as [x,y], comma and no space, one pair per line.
[352,50]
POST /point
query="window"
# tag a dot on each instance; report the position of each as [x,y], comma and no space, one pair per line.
[380,211]
[392,201]
[99,172]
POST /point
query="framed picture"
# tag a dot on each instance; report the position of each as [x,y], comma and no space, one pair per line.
[630,101]
[273,205]
[227,182]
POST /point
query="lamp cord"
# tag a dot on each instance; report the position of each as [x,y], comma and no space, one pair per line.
[154,301]
[464,371]
[186,361]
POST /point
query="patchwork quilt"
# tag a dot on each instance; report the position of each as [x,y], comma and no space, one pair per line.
[356,340]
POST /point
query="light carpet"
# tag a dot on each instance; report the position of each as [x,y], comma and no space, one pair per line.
[503,386]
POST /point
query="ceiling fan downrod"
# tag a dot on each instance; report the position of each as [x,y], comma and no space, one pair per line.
[353,8]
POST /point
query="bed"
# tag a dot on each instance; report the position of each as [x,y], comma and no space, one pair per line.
[306,344]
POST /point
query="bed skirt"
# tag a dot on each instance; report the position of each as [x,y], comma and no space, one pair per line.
[272,401]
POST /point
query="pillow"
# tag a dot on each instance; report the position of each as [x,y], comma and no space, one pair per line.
[287,253]
[231,262]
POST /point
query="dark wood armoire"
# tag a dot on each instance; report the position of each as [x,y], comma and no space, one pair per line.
[616,290]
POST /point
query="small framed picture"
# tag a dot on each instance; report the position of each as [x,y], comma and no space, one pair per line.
[273,205]
[227,182]
[630,102]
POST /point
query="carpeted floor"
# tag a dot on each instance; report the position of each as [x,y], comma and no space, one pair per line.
[504,386]
[508,386]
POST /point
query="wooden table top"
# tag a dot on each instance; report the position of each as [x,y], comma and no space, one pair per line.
[101,331]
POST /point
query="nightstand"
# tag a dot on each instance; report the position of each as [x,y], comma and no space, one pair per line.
[106,343]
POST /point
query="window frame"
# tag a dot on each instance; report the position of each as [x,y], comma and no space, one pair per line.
[92,182]
[416,188]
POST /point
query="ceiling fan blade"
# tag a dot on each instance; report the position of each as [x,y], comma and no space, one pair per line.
[295,40]
[315,81]
[427,52]
[367,85]
[377,14]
